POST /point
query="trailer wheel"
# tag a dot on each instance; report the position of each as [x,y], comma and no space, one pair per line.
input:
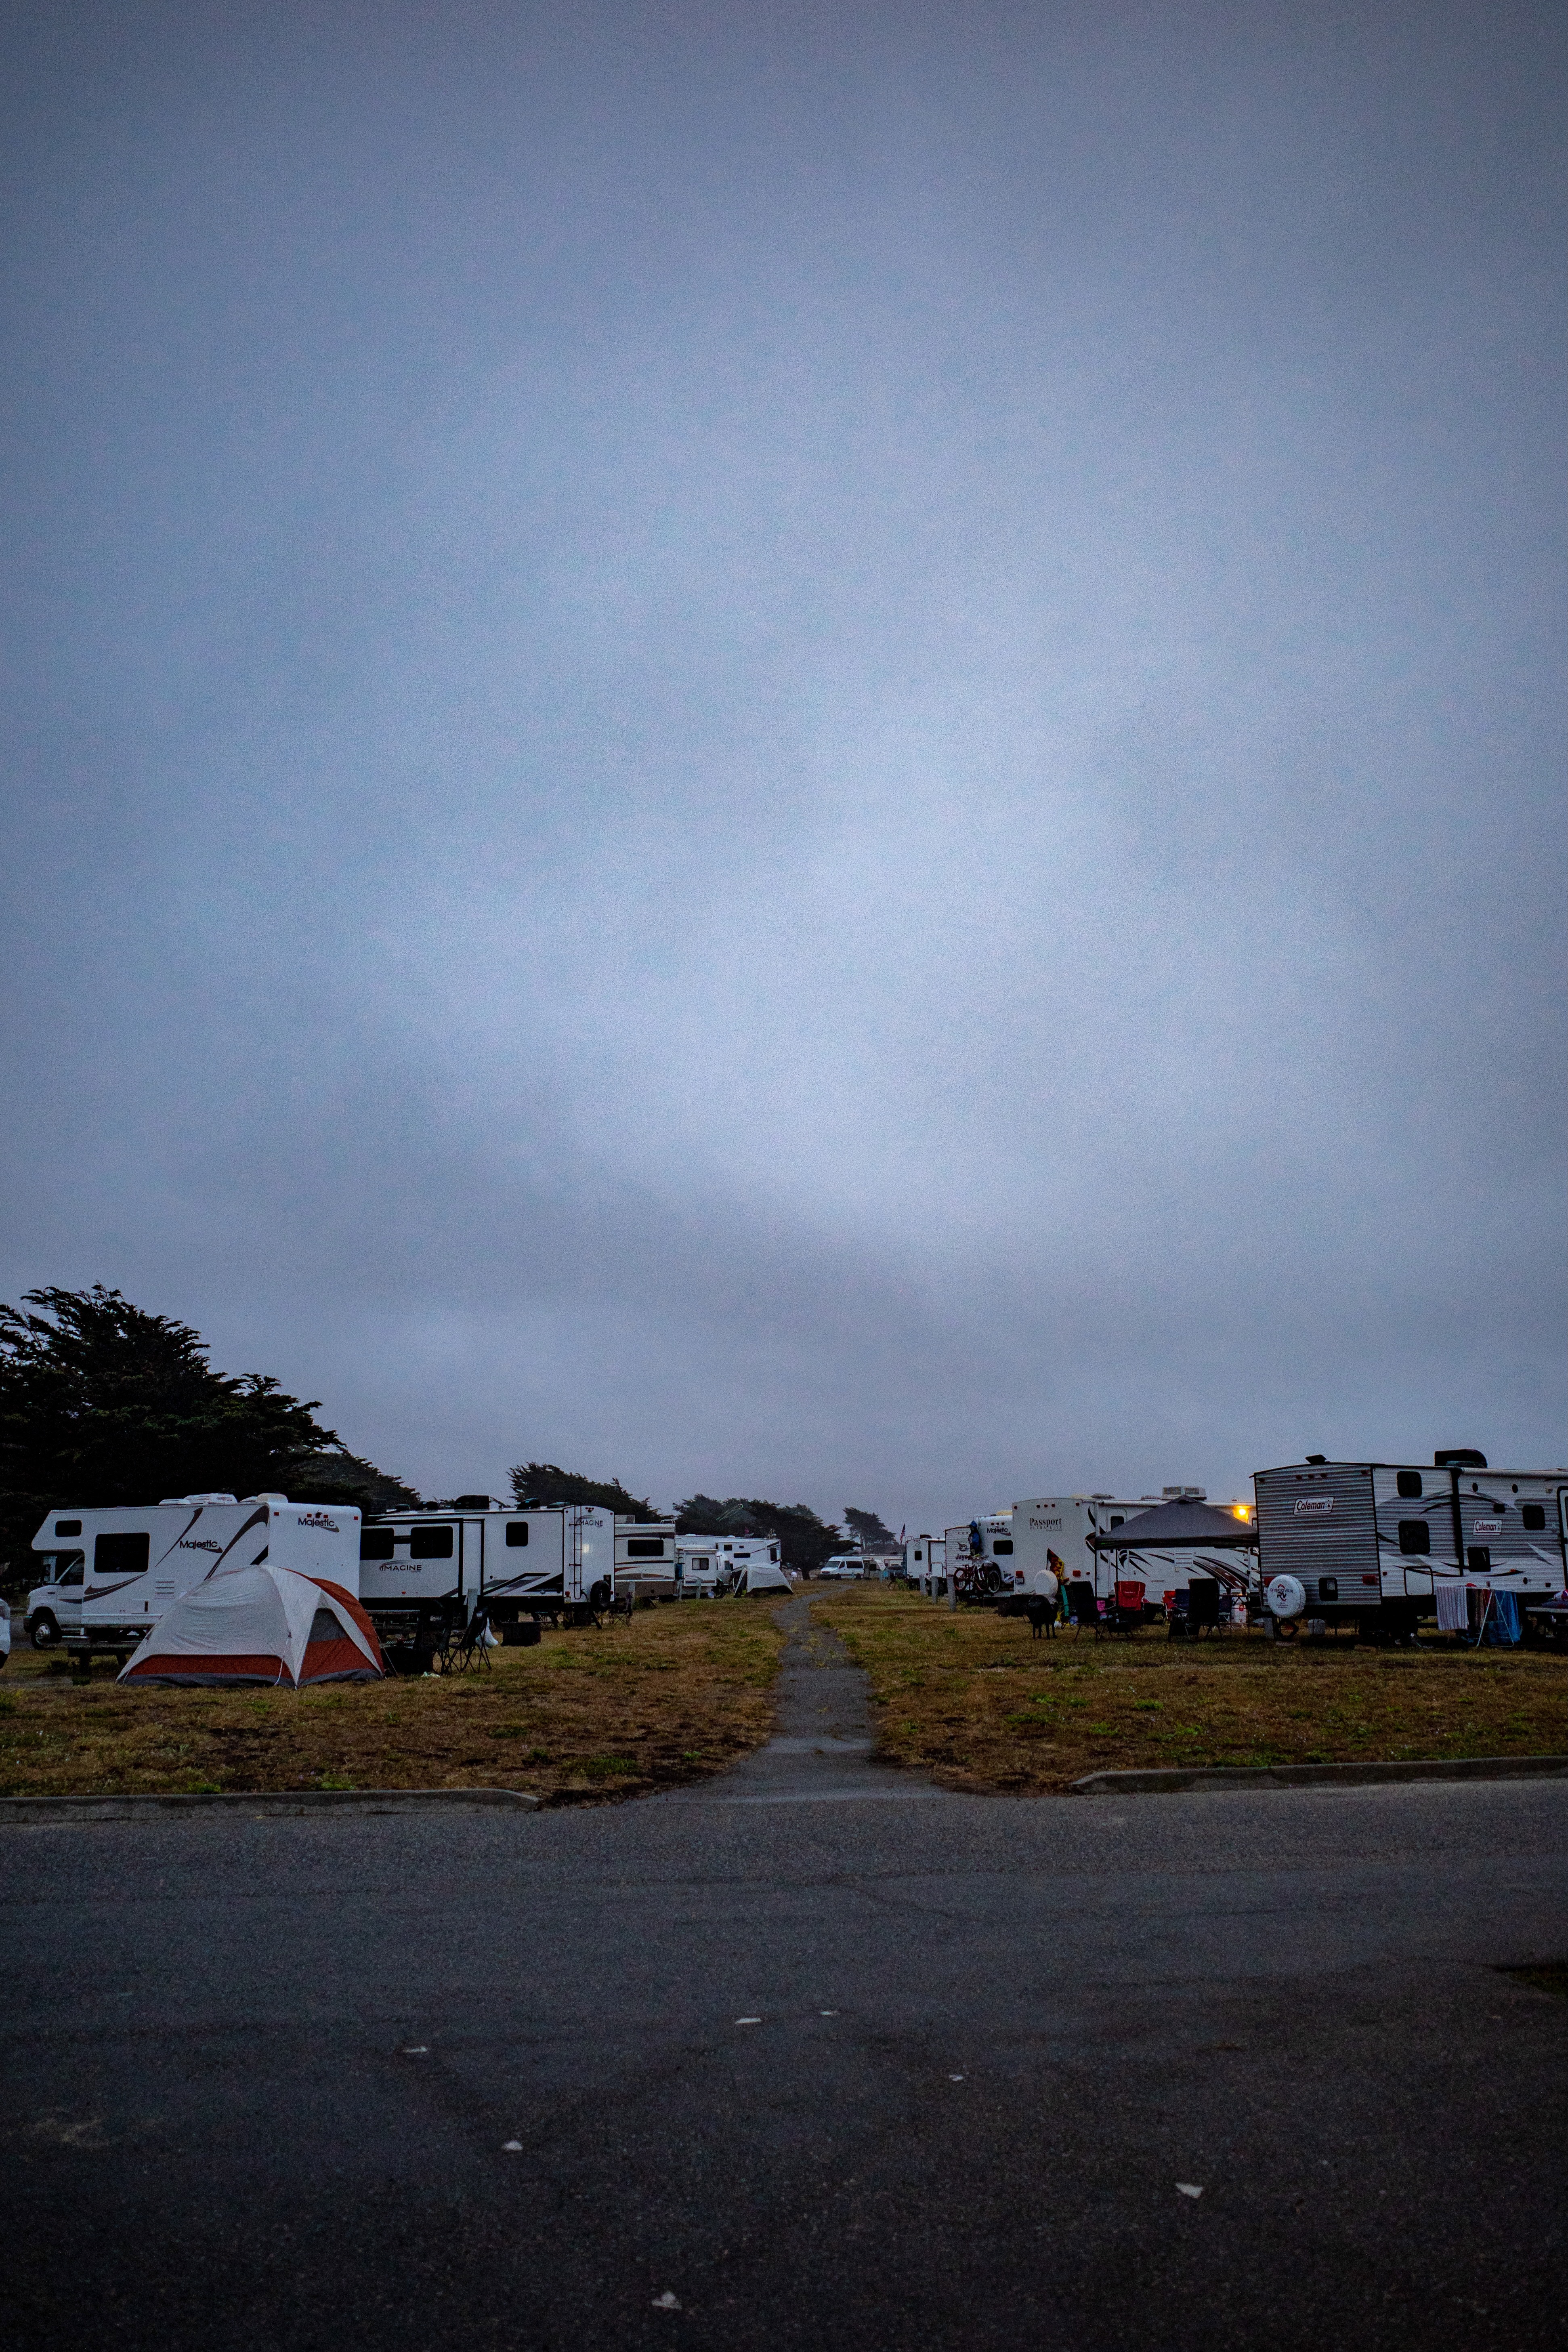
[600,1596]
[45,1631]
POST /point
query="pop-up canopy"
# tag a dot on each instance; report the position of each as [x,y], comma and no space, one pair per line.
[261,1625]
[1178,1527]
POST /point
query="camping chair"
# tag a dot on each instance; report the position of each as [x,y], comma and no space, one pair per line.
[1202,1605]
[1082,1606]
[468,1645]
[1126,1612]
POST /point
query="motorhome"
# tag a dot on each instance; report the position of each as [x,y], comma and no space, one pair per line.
[423,1570]
[1376,1541]
[1054,1532]
[136,1559]
[925,1564]
[980,1557]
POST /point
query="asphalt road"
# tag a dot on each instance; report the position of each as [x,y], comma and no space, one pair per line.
[830,2058]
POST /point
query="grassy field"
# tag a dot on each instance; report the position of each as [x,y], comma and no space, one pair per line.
[667,1696]
[973,1699]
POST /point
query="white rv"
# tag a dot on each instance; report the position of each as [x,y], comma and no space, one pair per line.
[714,1564]
[1058,1527]
[925,1564]
[136,1559]
[646,1561]
[1377,1541]
[423,1570]
[981,1557]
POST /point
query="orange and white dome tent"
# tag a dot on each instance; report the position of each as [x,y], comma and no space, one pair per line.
[260,1624]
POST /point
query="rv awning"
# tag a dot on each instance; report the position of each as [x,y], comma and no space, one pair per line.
[1178,1527]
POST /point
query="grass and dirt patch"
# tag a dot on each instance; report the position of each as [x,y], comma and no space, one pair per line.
[667,1696]
[974,1700]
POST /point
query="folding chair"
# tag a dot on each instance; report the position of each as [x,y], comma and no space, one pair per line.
[1082,1606]
[1126,1612]
[1202,1605]
[471,1646]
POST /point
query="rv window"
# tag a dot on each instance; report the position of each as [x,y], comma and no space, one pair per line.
[1408,1483]
[645,1547]
[1534,1516]
[1119,1519]
[1478,1560]
[120,1556]
[376,1543]
[70,1570]
[516,1534]
[1415,1535]
[1002,1543]
[68,1527]
[430,1543]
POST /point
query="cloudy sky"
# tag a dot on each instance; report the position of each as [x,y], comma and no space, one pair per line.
[798,750]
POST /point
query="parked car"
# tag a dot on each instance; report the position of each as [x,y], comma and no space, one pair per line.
[53,1608]
[846,1567]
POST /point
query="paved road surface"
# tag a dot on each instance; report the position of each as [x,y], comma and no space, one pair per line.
[260,2077]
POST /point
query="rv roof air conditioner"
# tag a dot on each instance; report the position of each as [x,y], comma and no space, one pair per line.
[1460,1457]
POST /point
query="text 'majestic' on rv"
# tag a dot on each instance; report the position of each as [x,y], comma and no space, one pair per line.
[980,1556]
[1390,1543]
[137,1560]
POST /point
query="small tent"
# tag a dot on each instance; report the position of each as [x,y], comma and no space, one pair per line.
[760,1576]
[260,1624]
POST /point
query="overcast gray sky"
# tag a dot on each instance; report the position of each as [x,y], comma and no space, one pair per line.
[803,750]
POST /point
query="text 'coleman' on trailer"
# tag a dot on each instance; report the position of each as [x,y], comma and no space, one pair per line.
[423,1572]
[1376,1543]
[137,1560]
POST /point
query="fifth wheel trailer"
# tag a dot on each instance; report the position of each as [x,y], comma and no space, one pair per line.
[421,1571]
[1374,1541]
[1068,1534]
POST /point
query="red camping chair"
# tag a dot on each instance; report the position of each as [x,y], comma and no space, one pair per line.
[1126,1612]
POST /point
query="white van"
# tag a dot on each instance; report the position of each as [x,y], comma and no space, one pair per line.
[139,1557]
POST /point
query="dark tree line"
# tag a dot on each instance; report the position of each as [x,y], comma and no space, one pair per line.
[103,1402]
[546,1482]
[805,1540]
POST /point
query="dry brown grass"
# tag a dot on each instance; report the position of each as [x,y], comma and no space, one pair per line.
[974,1700]
[669,1696]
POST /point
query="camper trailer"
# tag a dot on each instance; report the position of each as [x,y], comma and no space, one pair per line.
[925,1565]
[421,1571]
[647,1565]
[714,1564]
[137,1560]
[1372,1543]
[1068,1533]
